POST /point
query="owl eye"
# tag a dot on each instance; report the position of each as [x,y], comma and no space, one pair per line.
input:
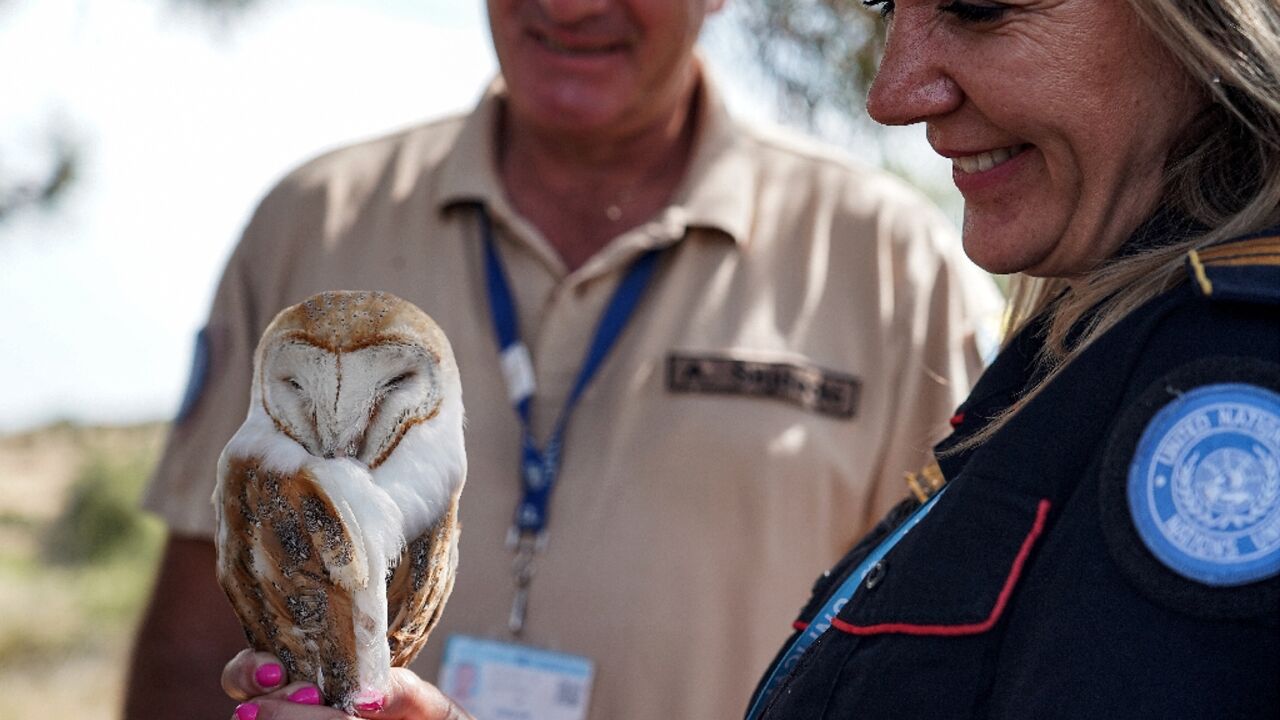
[397,380]
[294,384]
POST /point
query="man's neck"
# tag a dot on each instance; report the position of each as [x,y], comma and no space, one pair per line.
[581,192]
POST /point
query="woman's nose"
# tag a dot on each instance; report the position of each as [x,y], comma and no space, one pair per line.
[912,84]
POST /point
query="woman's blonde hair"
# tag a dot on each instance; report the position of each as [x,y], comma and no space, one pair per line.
[1225,175]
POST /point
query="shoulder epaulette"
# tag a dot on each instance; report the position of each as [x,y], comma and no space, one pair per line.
[1247,270]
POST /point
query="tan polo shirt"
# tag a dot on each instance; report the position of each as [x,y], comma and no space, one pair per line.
[802,343]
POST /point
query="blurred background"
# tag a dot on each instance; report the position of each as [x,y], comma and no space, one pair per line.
[136,136]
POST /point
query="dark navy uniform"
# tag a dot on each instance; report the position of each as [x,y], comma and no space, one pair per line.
[1112,552]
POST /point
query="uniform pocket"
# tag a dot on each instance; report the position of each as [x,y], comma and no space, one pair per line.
[954,574]
[921,636]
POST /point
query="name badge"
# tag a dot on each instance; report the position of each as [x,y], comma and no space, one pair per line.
[503,681]
[815,389]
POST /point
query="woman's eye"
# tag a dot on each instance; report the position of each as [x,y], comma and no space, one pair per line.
[961,10]
[885,7]
[972,13]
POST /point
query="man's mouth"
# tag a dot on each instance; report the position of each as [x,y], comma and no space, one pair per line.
[599,47]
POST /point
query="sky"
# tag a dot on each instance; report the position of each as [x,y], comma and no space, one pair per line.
[184,123]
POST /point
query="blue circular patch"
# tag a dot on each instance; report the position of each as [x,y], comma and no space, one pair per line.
[1204,484]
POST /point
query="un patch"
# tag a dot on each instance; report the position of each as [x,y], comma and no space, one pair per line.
[1204,484]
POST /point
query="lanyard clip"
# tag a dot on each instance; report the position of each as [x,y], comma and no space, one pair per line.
[526,545]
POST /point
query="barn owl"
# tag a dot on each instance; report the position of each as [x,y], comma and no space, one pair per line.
[337,499]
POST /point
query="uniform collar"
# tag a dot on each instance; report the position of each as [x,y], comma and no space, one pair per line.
[716,192]
[1017,368]
[1014,369]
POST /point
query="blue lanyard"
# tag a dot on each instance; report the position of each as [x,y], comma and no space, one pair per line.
[834,605]
[540,466]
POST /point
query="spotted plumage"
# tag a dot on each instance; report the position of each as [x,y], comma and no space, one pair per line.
[337,499]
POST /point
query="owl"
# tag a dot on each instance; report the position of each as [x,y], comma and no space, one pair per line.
[337,499]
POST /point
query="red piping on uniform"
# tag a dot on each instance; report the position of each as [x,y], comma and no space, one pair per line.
[1042,511]
[800,626]
[957,420]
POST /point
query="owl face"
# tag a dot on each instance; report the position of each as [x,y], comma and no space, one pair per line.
[347,374]
[352,404]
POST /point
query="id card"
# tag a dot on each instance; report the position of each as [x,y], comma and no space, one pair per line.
[502,681]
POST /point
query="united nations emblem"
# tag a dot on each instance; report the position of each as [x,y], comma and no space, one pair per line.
[1204,484]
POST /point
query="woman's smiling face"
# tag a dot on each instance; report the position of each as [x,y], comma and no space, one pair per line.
[1058,116]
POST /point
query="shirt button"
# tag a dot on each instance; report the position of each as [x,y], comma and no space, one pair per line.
[874,575]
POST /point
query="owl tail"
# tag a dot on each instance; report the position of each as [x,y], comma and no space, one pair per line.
[375,525]
[373,655]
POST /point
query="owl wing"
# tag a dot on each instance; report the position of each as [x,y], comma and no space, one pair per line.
[419,586]
[290,567]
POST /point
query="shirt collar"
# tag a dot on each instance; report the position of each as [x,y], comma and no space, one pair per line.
[468,173]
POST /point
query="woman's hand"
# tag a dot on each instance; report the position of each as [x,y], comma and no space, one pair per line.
[257,679]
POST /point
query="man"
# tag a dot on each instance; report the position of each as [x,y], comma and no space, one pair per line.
[803,328]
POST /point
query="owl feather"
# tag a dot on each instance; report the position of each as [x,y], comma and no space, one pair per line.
[337,499]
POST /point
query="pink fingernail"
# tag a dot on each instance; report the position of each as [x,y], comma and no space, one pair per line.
[247,711]
[269,675]
[306,696]
[370,701]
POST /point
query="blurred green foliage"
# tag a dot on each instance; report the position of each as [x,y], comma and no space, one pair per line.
[73,585]
[101,518]
[821,54]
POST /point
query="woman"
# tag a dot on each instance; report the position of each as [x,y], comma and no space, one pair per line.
[1107,543]
[1107,540]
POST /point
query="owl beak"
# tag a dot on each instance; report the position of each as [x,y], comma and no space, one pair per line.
[338,449]
[331,446]
[340,440]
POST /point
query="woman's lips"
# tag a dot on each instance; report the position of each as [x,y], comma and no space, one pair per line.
[989,171]
[984,161]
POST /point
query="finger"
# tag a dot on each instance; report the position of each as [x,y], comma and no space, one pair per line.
[250,674]
[278,709]
[297,701]
[301,694]
[411,698]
